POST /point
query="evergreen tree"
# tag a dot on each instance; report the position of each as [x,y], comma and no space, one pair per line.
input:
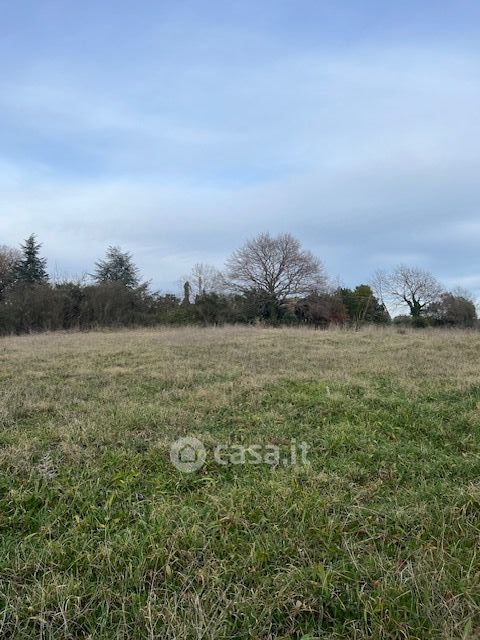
[31,268]
[187,289]
[362,306]
[118,266]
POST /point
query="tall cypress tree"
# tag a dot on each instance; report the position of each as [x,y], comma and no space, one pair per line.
[187,289]
[31,268]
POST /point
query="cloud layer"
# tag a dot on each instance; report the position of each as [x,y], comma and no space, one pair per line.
[178,138]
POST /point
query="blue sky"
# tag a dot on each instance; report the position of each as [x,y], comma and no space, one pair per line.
[179,129]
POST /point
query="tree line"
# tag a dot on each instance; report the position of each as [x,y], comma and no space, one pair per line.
[270,279]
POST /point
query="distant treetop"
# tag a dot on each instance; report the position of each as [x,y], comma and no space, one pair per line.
[118,266]
[31,268]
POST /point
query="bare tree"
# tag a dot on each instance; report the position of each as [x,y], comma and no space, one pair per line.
[379,283]
[205,278]
[9,258]
[277,266]
[412,286]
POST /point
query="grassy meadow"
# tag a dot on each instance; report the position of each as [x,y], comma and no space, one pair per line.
[378,537]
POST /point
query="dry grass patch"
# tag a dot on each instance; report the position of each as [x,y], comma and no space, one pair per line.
[376,538]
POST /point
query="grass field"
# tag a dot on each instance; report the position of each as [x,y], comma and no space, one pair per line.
[378,537]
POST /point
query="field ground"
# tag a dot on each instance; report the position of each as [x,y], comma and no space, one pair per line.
[377,538]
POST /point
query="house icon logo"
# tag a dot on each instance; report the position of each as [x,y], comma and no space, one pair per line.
[188,454]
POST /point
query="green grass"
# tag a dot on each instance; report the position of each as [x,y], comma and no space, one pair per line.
[377,538]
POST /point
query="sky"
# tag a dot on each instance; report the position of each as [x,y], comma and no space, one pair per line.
[179,129]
